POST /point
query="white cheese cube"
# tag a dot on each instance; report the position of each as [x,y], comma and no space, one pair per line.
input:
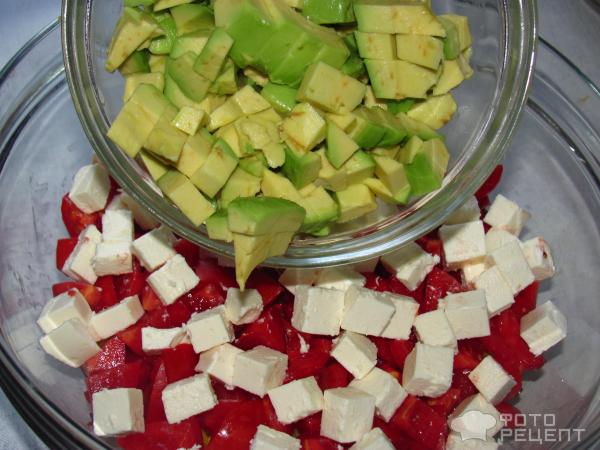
[219,362]
[411,264]
[188,397]
[292,278]
[116,318]
[433,328]
[538,256]
[296,400]
[340,278]
[318,310]
[157,339]
[468,212]
[79,264]
[173,280]
[90,189]
[467,314]
[70,343]
[491,380]
[388,392]
[507,215]
[155,248]
[476,414]
[470,271]
[116,203]
[118,411]
[374,440]
[259,370]
[403,318]
[366,266]
[269,439]
[463,243]
[209,329]
[141,215]
[117,225]
[366,311]
[428,370]
[498,294]
[68,305]
[243,307]
[113,258]
[543,328]
[455,442]
[512,263]
[497,237]
[355,352]
[347,414]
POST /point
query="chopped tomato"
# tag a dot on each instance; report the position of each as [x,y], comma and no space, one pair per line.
[310,427]
[154,411]
[150,300]
[307,354]
[437,285]
[526,300]
[164,436]
[490,184]
[108,291]
[112,355]
[76,220]
[319,443]
[431,243]
[169,316]
[180,362]
[394,434]
[238,427]
[469,354]
[205,295]
[209,271]
[229,400]
[129,375]
[333,375]
[132,337]
[422,423]
[188,250]
[131,283]
[267,330]
[399,350]
[268,287]
[92,294]
[446,403]
[64,248]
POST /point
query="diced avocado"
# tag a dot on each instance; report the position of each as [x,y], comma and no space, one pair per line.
[226,82]
[370,101]
[321,210]
[354,67]
[274,154]
[225,114]
[393,175]
[359,167]
[410,150]
[344,121]
[337,56]
[436,152]
[425,51]
[388,152]
[462,27]
[190,42]
[340,146]
[164,4]
[376,45]
[158,63]
[396,17]
[217,169]
[240,184]
[278,186]
[365,132]
[217,226]
[194,153]
[189,119]
[350,41]
[137,62]
[394,130]
[377,127]
[255,164]
[329,12]
[282,98]
[256,216]
[307,190]
[452,40]
[132,82]
[452,75]
[398,106]
[421,176]
[250,101]
[435,111]
[176,96]
[155,168]
[380,190]
[290,69]
[180,190]
[166,141]
[304,128]
[192,17]
[355,201]
[137,119]
[270,115]
[399,79]
[416,128]
[134,3]
[463,63]
[257,132]
[162,45]
[133,28]
[230,135]
[256,76]
[331,178]
[213,55]
[192,84]
[330,89]
[301,168]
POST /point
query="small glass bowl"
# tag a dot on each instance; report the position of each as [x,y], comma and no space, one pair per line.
[504,39]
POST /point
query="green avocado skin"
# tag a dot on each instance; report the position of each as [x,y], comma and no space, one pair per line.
[329,12]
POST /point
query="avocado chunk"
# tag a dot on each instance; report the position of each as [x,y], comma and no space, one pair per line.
[344,121]
[301,168]
[189,119]
[216,170]
[415,128]
[462,28]
[274,154]
[194,153]
[304,128]
[213,55]
[192,17]
[255,132]
[452,75]
[192,84]
[426,172]
[340,146]
[398,106]
[217,226]
[435,112]
[256,216]
[278,186]
[282,98]
[321,210]
[354,67]
[255,164]
[190,42]
[226,82]
[166,141]
[451,41]
[355,201]
[359,167]
[394,130]
[438,155]
[137,62]
[425,51]
[330,177]
[164,4]
[380,190]
[399,79]
[397,17]
[179,189]
[157,63]
[162,45]
[329,12]
[375,45]
[366,132]
[176,96]
[407,154]
[240,184]
[132,82]
[290,70]
[393,175]
[155,168]
[388,152]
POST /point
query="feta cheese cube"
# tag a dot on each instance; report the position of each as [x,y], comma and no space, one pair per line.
[259,370]
[318,310]
[374,440]
[468,212]
[543,328]
[455,442]
[507,215]
[470,271]
[538,256]
[355,352]
[467,314]
[340,278]
[173,279]
[157,339]
[366,311]
[155,248]
[209,329]
[68,305]
[463,243]
[70,343]
[491,380]
[219,362]
[498,294]
[142,217]
[117,225]
[388,392]
[497,237]
[428,370]
[113,258]
[512,263]
[366,266]
[118,317]
[403,318]
[411,264]
[269,439]
[79,264]
[116,203]
[433,328]
[292,278]
[188,397]
[296,400]
[243,307]
[90,189]
[347,414]
[118,411]
[476,409]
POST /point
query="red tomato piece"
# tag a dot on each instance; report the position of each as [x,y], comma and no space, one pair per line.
[131,283]
[205,295]
[238,427]
[460,381]
[64,248]
[154,411]
[526,300]
[92,294]
[310,427]
[446,403]
[490,184]
[267,330]
[169,316]
[422,423]
[437,285]
[150,300]
[164,436]
[399,350]
[333,375]
[209,271]
[112,355]
[302,364]
[129,375]
[507,414]
[319,443]
[108,291]
[180,362]
[229,400]
[469,354]
[431,243]
[188,250]
[394,434]
[268,287]
[76,220]
[132,337]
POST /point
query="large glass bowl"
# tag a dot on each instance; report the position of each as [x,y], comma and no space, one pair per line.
[504,36]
